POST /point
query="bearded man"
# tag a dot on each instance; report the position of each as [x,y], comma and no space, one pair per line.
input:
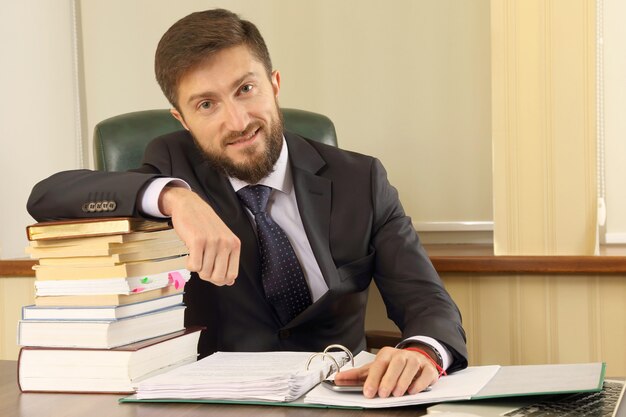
[284,234]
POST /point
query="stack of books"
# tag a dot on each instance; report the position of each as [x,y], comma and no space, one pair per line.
[108,305]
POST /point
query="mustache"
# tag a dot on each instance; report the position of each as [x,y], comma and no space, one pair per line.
[235,136]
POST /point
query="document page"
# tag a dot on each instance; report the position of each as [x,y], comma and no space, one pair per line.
[267,376]
[544,379]
[457,386]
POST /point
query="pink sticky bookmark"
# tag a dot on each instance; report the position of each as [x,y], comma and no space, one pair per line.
[177,279]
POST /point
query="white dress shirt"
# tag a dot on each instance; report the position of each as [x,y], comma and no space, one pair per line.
[283,209]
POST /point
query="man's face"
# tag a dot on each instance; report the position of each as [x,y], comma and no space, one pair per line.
[229,105]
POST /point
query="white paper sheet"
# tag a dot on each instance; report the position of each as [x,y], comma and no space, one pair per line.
[457,386]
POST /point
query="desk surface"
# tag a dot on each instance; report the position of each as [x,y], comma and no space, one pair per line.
[13,403]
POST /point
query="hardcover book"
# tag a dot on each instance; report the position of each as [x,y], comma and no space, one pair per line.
[105,299]
[91,260]
[116,370]
[59,229]
[111,286]
[108,242]
[112,312]
[130,269]
[103,334]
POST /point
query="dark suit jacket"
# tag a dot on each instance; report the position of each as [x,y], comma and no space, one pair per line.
[355,224]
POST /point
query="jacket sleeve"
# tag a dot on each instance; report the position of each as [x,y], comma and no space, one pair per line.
[85,193]
[414,295]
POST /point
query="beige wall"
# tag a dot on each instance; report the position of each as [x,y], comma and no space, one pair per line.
[15,292]
[406,81]
[409,84]
[37,109]
[614,52]
[535,319]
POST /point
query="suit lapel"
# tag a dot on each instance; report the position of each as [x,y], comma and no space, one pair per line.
[313,194]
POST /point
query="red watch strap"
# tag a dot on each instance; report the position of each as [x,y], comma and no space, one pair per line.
[423,352]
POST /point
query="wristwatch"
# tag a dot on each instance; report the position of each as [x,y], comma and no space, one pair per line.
[432,352]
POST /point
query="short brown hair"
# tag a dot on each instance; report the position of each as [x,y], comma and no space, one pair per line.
[196,37]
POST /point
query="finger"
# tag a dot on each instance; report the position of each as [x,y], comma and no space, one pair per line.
[220,265]
[196,254]
[233,263]
[395,368]
[354,374]
[208,261]
[376,371]
[227,261]
[407,376]
[427,376]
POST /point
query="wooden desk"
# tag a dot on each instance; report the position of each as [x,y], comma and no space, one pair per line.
[13,403]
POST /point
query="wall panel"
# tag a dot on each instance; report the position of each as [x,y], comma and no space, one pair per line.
[14,293]
[536,319]
[544,127]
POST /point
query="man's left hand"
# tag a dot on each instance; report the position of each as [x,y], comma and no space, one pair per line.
[393,372]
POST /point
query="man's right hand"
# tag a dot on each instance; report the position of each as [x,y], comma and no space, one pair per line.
[213,249]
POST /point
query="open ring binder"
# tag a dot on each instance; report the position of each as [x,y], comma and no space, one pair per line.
[281,376]
[325,355]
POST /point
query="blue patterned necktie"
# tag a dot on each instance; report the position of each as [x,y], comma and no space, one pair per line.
[281,274]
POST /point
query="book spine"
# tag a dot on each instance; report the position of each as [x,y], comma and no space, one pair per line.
[19,365]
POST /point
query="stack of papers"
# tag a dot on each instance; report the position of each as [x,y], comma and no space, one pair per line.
[244,376]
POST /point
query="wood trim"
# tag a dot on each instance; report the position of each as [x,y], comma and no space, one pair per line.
[531,264]
[480,259]
[461,259]
[17,268]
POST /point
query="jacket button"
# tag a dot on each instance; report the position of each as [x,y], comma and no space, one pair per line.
[85,208]
[91,207]
[284,334]
[99,206]
[111,206]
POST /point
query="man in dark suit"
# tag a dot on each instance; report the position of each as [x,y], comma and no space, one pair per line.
[338,217]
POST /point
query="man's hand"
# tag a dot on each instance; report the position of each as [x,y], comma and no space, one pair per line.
[393,372]
[213,249]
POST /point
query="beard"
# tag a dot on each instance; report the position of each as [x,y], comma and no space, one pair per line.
[256,167]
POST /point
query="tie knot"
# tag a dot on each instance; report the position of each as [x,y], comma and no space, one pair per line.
[255,197]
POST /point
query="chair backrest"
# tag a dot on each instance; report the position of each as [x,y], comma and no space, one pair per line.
[119,142]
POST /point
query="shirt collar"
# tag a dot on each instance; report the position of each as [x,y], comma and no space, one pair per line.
[279,179]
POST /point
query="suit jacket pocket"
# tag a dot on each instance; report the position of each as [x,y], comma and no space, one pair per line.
[356,275]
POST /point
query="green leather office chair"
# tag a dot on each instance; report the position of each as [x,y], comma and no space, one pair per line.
[119,141]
